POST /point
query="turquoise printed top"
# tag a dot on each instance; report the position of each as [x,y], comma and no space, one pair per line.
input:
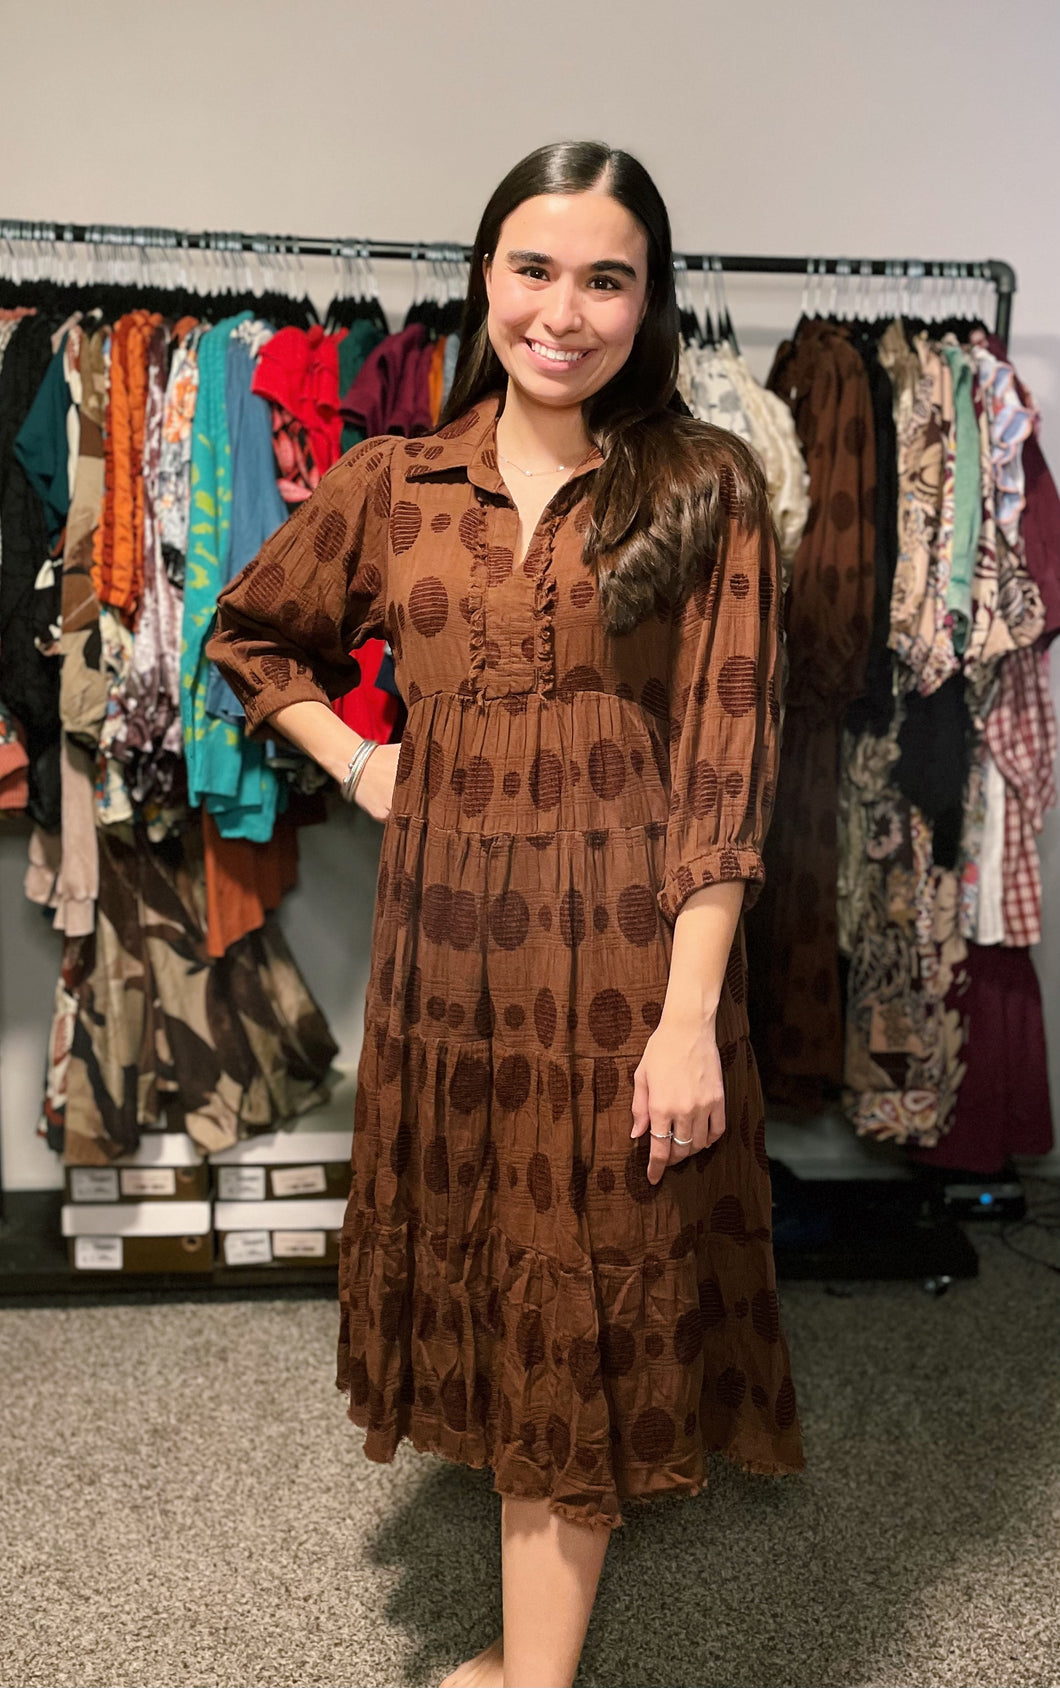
[226,771]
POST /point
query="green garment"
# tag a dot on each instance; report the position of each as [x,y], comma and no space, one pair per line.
[42,445]
[226,771]
[967,509]
[363,338]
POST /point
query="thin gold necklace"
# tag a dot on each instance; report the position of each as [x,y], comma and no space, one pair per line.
[560,469]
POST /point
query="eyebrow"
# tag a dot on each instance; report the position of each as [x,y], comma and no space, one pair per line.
[598,268]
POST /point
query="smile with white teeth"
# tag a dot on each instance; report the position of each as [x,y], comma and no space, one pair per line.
[554,354]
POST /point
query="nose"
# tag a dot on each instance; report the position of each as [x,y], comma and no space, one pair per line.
[562,314]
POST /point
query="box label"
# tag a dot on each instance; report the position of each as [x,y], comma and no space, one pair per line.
[298,1245]
[247,1248]
[98,1254]
[93,1184]
[299,1181]
[148,1181]
[241,1183]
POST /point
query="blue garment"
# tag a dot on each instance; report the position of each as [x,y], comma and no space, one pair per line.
[257,509]
[226,771]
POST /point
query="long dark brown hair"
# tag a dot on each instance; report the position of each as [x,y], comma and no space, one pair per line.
[669,485]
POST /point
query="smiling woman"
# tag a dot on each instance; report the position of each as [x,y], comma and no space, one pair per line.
[580,584]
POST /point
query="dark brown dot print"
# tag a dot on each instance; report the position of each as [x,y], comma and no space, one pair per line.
[731,1387]
[530,1339]
[478,786]
[499,562]
[405,520]
[518,971]
[539,1180]
[509,920]
[330,536]
[546,780]
[784,1411]
[638,920]
[610,1019]
[688,1336]
[512,1082]
[583,1358]
[738,686]
[655,698]
[653,1435]
[428,606]
[636,1170]
[607,769]
[470,1083]
[711,1304]
[765,1315]
[557,1436]
[703,790]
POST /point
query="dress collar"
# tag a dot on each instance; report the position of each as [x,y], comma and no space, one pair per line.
[469,442]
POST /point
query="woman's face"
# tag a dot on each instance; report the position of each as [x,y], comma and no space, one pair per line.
[567,289]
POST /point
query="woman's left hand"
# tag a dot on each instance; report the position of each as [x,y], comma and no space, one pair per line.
[678,1088]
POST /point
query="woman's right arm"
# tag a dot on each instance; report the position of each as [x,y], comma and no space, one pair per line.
[287,625]
[316,729]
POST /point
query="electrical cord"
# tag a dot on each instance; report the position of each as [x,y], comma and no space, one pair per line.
[1044,1219]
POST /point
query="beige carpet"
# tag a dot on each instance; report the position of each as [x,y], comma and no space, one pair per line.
[182,1502]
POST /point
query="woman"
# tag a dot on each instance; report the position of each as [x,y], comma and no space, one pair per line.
[579,583]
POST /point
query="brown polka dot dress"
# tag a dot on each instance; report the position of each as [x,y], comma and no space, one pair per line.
[514,1293]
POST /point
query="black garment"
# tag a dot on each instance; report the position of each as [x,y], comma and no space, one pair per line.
[934,740]
[873,710]
[29,682]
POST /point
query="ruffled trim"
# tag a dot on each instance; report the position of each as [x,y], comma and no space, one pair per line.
[489,1356]
[475,535]
[546,594]
[591,1516]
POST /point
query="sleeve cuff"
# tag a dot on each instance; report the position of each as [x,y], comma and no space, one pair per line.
[711,867]
[259,706]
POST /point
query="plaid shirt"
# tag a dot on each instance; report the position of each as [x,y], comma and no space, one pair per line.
[1022,735]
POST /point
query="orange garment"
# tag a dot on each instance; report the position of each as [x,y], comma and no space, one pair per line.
[436,380]
[244,880]
[118,545]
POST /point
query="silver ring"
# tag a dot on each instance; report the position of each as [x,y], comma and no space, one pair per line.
[662,1135]
[683,1142]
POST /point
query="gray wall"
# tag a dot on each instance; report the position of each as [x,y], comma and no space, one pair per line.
[872,129]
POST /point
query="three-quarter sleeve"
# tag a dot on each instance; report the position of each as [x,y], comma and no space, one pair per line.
[287,624]
[725,677]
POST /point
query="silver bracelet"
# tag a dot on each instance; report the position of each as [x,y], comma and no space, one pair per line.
[356,766]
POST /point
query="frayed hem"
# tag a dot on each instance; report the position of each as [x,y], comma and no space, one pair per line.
[381,1445]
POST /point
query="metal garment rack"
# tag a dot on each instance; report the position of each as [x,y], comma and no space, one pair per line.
[857,1228]
[992,270]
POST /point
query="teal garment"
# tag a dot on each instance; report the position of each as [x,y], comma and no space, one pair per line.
[42,447]
[363,338]
[226,772]
[967,507]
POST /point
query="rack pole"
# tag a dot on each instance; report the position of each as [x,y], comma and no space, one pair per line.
[1001,274]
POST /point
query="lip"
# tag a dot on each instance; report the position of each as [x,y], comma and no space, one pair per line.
[553,366]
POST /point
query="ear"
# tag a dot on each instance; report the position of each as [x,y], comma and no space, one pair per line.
[487,268]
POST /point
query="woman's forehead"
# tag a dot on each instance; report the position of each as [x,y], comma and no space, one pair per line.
[574,228]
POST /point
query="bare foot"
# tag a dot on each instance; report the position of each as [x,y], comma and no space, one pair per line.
[485,1670]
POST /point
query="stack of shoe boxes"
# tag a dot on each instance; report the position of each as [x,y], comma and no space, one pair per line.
[150,1211]
[281,1198]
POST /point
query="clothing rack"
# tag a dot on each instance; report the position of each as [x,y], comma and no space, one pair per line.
[858,1228]
[991,270]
